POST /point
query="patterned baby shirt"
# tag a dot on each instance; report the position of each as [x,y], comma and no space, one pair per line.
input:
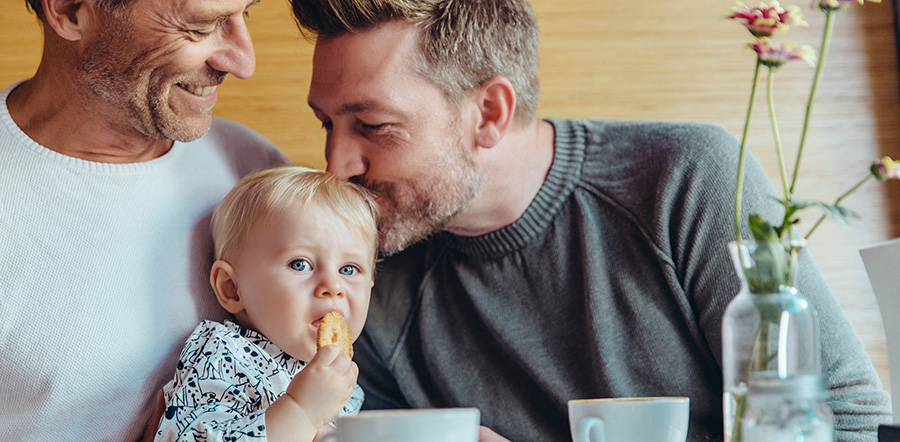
[227,376]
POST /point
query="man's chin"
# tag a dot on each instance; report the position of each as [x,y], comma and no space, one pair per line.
[400,237]
[389,249]
[392,242]
[189,129]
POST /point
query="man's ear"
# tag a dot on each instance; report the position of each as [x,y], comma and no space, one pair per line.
[69,18]
[496,100]
[221,277]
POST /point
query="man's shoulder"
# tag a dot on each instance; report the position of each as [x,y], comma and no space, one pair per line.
[240,145]
[628,151]
[645,168]
[220,124]
[231,132]
[644,137]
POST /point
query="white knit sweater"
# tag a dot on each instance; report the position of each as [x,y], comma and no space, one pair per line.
[103,274]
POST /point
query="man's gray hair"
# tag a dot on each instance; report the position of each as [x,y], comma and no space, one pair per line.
[108,5]
[462,43]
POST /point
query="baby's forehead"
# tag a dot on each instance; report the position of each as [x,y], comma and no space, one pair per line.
[359,223]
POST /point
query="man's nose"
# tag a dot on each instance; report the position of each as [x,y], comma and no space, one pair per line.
[235,54]
[344,156]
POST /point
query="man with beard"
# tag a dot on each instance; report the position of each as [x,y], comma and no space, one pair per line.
[529,262]
[110,165]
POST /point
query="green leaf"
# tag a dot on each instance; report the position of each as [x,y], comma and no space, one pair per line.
[838,213]
[762,231]
[771,266]
[791,207]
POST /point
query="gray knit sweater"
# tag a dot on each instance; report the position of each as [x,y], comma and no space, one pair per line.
[612,284]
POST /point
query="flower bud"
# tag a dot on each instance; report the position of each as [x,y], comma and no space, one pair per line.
[886,169]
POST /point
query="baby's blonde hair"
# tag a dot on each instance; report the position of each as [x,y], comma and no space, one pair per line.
[272,191]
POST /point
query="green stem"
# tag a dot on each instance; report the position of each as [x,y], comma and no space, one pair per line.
[737,424]
[770,98]
[737,421]
[740,400]
[743,154]
[763,347]
[756,337]
[837,201]
[826,41]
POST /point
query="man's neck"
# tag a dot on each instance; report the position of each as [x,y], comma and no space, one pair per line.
[50,110]
[513,173]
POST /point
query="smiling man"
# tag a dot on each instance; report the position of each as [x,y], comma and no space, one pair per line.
[110,164]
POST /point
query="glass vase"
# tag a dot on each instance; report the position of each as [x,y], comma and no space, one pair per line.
[769,329]
[788,410]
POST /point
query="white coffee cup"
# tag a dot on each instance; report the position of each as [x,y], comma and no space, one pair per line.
[415,425]
[646,419]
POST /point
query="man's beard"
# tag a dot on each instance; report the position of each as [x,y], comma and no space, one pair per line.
[125,83]
[417,209]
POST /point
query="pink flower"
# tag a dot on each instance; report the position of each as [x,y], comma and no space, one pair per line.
[832,5]
[764,20]
[774,56]
[886,169]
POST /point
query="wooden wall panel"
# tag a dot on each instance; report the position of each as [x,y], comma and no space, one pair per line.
[652,60]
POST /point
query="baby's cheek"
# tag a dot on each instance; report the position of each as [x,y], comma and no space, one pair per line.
[307,351]
[358,322]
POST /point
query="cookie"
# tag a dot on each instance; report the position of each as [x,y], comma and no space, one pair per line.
[334,330]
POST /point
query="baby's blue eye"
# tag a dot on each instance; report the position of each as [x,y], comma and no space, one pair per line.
[300,265]
[348,270]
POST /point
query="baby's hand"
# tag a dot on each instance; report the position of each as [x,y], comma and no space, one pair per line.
[323,433]
[324,385]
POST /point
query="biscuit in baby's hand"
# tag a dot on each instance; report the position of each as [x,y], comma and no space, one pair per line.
[334,330]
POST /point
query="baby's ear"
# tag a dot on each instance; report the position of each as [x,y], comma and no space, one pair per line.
[221,277]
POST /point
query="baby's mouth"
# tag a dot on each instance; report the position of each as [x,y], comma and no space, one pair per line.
[315,323]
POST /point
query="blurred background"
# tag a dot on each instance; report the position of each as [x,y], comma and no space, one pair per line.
[648,60]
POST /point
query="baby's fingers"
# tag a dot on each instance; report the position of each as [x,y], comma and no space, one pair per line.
[325,356]
[330,361]
[352,372]
[341,362]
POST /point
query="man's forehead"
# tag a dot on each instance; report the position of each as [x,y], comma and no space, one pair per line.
[207,10]
[394,43]
[366,56]
[362,88]
[352,76]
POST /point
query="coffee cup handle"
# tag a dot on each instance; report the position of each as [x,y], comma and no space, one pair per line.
[591,429]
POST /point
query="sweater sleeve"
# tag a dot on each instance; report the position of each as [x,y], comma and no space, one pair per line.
[700,222]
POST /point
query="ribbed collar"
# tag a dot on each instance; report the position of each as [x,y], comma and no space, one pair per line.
[568,158]
[6,121]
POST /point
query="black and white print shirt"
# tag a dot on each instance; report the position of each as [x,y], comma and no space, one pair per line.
[227,376]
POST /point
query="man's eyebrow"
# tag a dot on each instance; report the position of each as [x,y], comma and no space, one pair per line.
[218,17]
[210,19]
[351,108]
